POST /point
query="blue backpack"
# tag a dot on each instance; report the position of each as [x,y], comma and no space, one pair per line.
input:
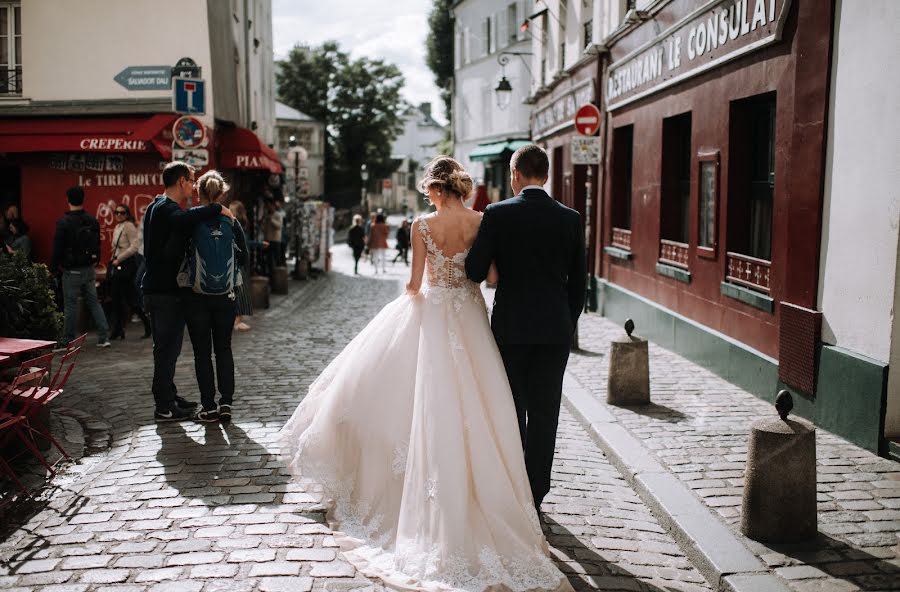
[212,265]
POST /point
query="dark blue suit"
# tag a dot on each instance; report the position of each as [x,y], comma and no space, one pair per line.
[538,247]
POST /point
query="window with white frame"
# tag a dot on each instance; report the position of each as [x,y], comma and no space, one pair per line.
[587,18]
[563,17]
[10,48]
[488,38]
[512,24]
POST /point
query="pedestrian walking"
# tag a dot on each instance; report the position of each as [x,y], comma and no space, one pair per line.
[378,244]
[121,271]
[76,251]
[242,302]
[18,240]
[137,298]
[166,230]
[402,237]
[273,227]
[368,229]
[210,310]
[356,238]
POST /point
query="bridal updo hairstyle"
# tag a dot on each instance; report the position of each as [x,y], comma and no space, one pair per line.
[449,175]
[212,185]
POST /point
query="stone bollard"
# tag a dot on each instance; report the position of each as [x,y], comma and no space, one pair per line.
[259,291]
[629,370]
[280,280]
[779,503]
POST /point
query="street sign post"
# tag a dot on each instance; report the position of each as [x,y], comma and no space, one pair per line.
[587,120]
[189,96]
[586,150]
[145,77]
[189,132]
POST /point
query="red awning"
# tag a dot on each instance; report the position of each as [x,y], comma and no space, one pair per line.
[87,134]
[240,148]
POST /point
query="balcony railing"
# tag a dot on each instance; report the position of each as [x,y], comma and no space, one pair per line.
[11,81]
[748,271]
[621,238]
[673,253]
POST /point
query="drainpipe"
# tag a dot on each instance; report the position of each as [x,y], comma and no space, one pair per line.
[247,111]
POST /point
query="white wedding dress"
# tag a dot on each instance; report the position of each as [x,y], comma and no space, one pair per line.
[411,432]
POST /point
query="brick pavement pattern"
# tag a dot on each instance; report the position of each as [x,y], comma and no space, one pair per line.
[698,426]
[206,507]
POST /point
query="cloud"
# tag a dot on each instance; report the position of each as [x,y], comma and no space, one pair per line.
[394,31]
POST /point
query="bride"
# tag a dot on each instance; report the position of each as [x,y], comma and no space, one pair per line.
[422,470]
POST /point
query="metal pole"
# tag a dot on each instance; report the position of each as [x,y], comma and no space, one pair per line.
[588,202]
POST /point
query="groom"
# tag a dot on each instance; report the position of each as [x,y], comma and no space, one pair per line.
[538,247]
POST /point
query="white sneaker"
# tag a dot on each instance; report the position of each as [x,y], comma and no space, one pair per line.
[104,344]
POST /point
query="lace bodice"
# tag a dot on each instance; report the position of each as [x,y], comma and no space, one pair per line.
[443,271]
[447,281]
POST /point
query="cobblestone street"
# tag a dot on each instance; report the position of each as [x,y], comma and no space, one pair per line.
[204,507]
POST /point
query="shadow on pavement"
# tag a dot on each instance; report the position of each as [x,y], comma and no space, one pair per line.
[843,561]
[219,464]
[660,412]
[603,573]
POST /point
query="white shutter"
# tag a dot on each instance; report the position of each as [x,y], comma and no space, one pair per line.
[502,30]
[523,14]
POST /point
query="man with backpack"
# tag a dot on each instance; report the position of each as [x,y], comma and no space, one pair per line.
[167,229]
[76,250]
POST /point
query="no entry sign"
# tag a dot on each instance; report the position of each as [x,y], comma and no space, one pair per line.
[587,120]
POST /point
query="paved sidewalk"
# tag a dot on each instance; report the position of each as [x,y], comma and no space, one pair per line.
[209,508]
[697,428]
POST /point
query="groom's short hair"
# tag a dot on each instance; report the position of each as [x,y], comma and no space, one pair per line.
[531,161]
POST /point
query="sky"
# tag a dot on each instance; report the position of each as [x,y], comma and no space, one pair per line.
[394,31]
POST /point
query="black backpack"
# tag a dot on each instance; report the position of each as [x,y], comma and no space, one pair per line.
[85,246]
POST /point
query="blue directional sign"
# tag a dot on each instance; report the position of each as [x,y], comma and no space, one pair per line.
[189,96]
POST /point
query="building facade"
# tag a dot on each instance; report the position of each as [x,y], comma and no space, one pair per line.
[490,44]
[112,126]
[726,220]
[305,172]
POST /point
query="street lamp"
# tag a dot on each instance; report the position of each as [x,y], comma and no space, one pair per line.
[364,175]
[504,88]
[504,93]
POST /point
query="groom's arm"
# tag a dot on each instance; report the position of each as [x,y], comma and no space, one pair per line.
[480,256]
[577,282]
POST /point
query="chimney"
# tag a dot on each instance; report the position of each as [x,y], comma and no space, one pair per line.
[425,108]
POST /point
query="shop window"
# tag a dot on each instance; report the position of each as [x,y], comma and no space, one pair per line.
[751,190]
[10,48]
[676,178]
[623,140]
[708,204]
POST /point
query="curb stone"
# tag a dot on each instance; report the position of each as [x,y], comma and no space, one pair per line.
[720,555]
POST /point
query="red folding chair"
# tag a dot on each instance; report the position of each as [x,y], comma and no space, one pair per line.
[66,365]
[10,425]
[27,395]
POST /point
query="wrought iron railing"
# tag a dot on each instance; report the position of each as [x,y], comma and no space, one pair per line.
[11,81]
[748,271]
[621,238]
[673,253]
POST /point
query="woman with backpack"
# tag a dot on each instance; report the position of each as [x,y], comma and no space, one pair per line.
[210,306]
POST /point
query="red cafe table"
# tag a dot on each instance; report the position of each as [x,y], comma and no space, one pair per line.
[11,347]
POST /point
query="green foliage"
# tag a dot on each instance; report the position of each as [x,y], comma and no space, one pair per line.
[27,306]
[439,46]
[358,100]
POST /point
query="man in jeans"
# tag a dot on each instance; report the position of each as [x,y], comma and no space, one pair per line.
[76,250]
[166,230]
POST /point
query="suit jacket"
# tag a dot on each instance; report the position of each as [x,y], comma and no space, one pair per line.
[538,246]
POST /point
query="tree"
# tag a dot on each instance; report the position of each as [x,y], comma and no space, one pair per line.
[439,46]
[358,100]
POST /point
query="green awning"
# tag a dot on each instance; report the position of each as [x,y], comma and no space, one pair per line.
[493,151]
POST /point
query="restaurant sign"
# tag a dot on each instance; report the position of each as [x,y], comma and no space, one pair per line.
[716,33]
[560,113]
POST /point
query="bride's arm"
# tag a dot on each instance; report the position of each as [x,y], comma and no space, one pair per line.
[417,269]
